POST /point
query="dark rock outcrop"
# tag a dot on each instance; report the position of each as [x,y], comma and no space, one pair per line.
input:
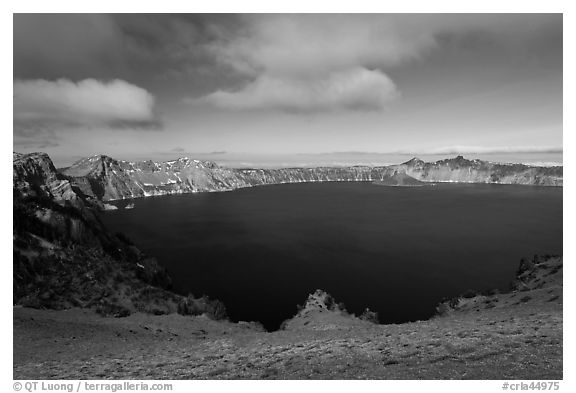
[322,312]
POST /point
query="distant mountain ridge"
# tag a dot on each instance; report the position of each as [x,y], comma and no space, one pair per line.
[106,179]
[462,170]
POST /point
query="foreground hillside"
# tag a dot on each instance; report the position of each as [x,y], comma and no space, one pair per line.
[104,178]
[517,335]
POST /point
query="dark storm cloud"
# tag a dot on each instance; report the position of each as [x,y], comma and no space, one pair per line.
[75,46]
[85,72]
[241,61]
[139,48]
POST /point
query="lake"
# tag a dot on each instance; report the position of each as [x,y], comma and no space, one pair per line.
[397,250]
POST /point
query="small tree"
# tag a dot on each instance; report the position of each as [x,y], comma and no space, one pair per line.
[369,315]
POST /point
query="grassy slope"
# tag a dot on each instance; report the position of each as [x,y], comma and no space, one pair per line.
[505,336]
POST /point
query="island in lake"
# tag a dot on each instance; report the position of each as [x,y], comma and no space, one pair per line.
[400,179]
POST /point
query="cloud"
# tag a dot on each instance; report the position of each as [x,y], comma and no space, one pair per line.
[42,104]
[315,63]
[323,62]
[355,89]
[197,55]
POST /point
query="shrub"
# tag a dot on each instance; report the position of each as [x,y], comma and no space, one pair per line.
[214,309]
[370,316]
[107,309]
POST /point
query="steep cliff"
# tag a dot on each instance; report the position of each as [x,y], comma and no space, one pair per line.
[107,179]
[110,179]
[35,175]
[65,257]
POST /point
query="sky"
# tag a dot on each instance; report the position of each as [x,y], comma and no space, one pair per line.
[289,90]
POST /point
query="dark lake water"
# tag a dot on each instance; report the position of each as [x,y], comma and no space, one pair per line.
[396,250]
